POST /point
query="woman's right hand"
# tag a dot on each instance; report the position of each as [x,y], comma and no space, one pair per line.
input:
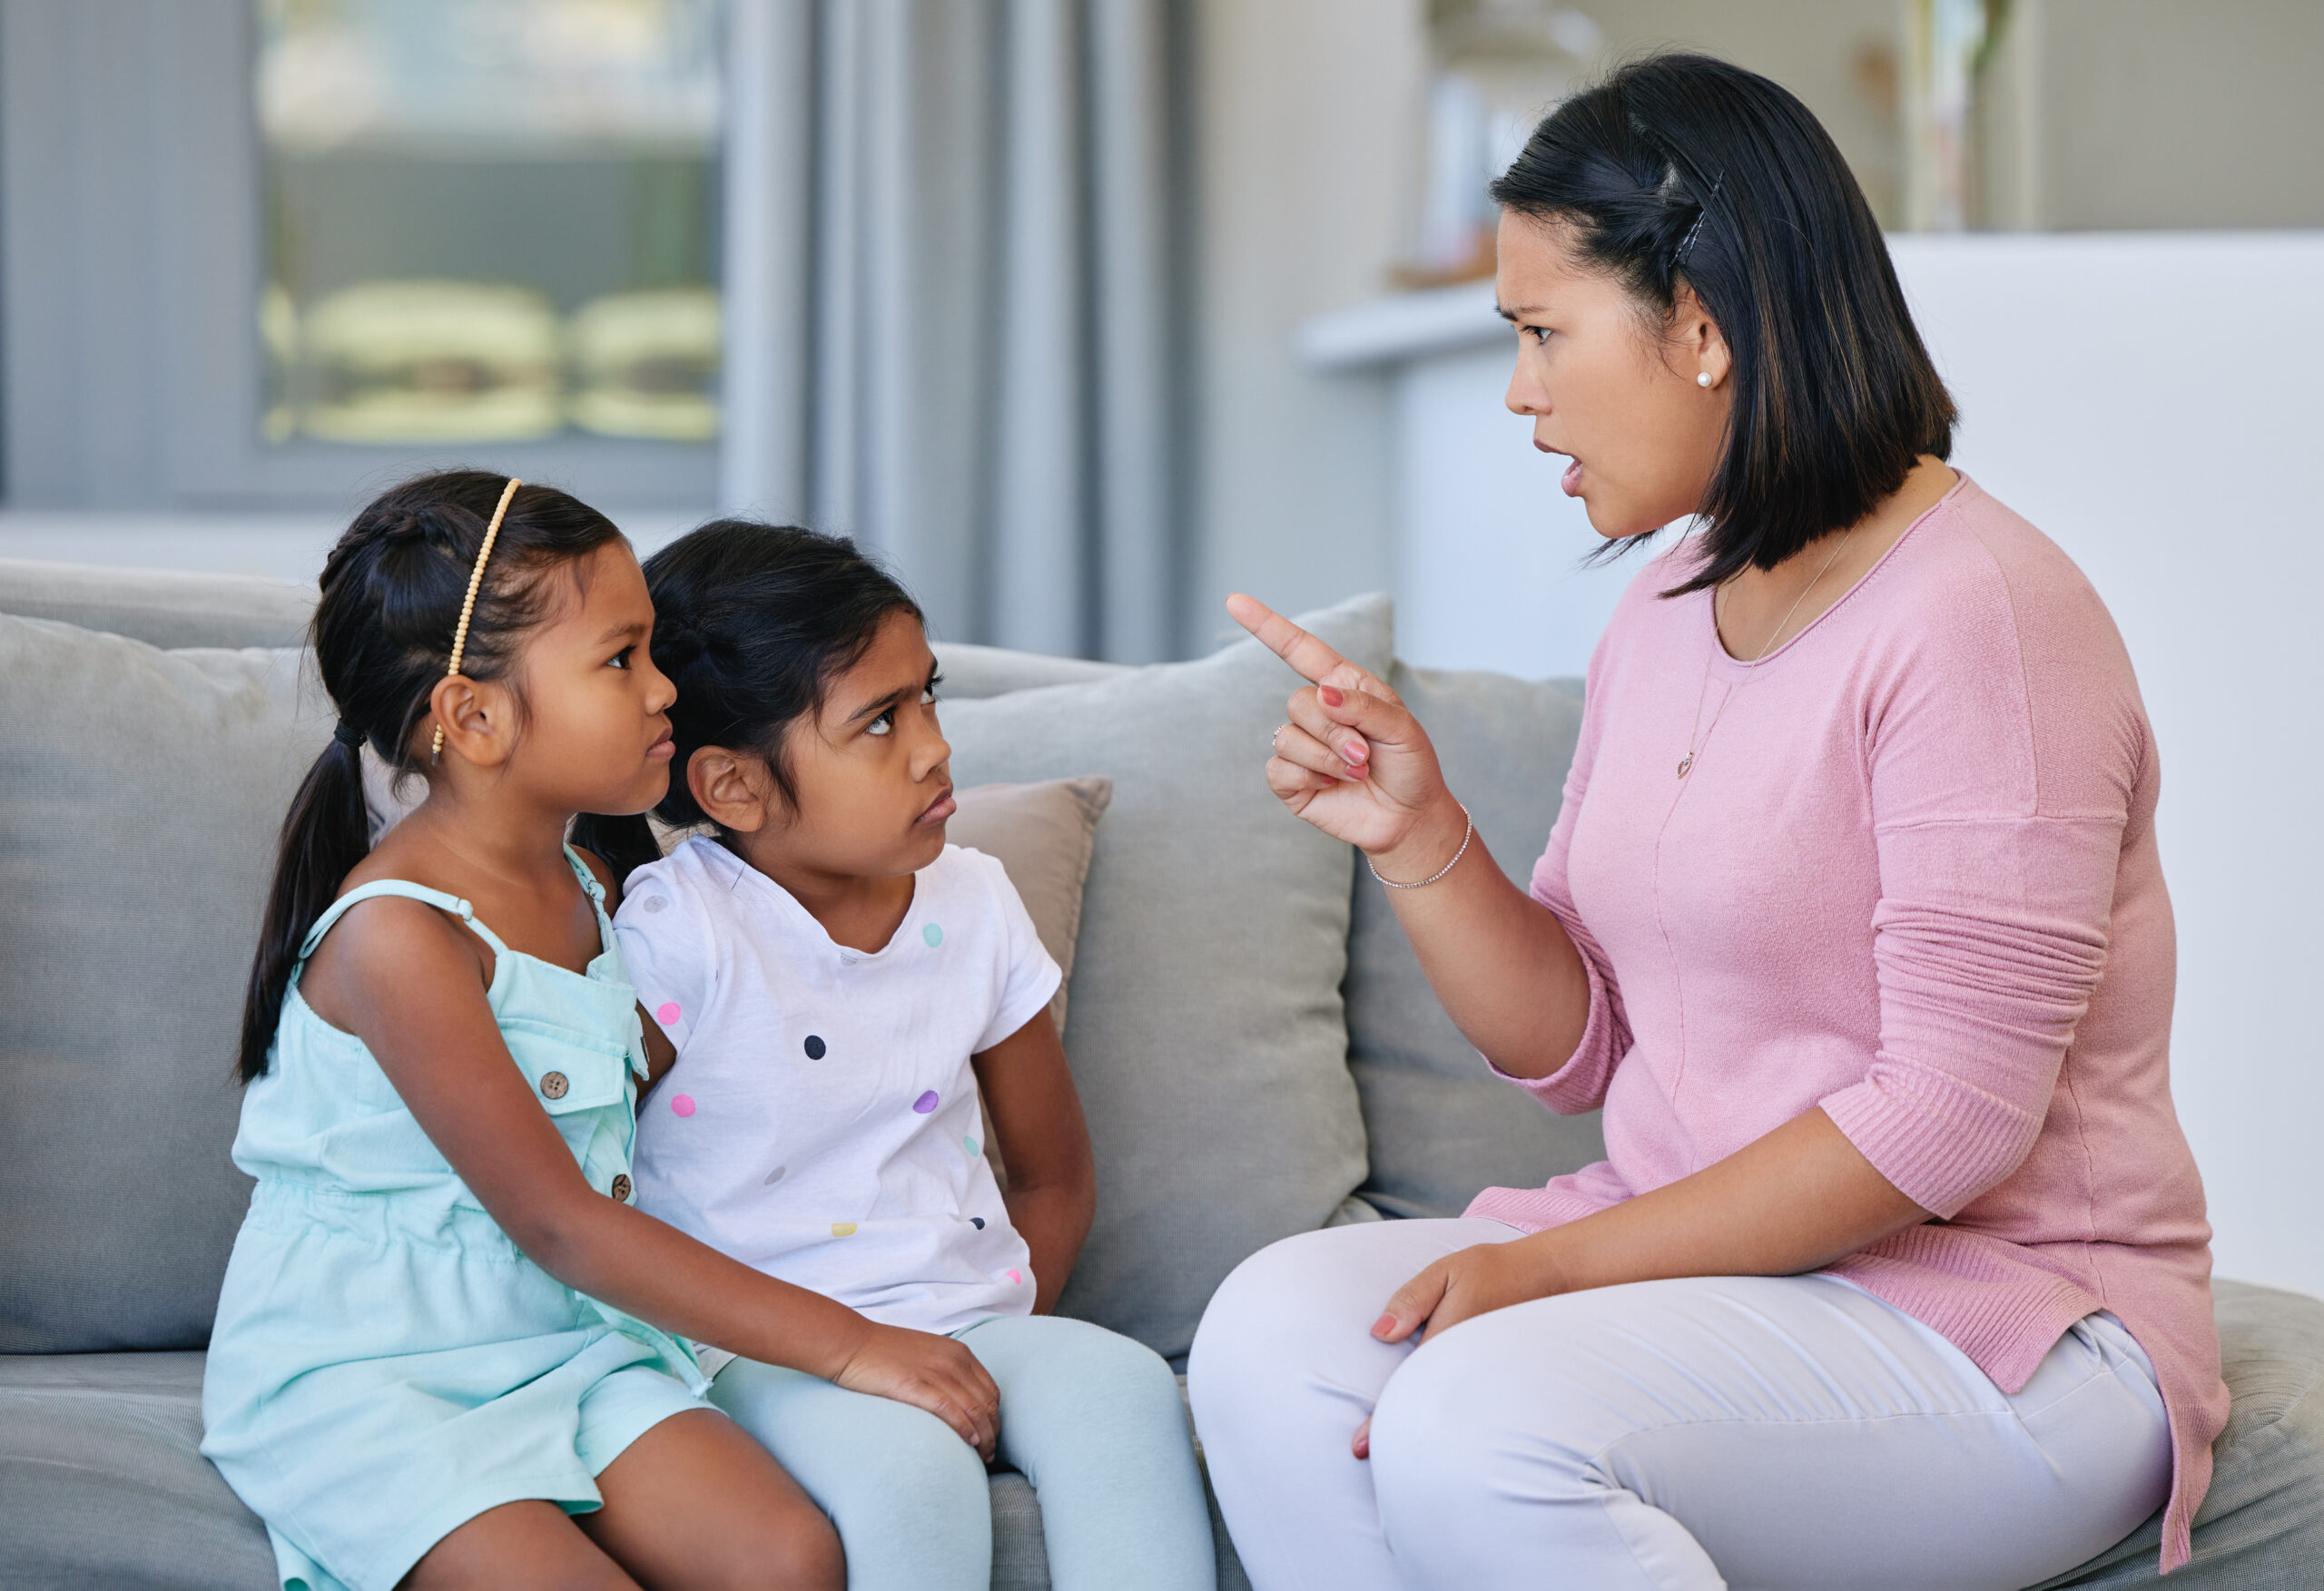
[1352,759]
[931,1372]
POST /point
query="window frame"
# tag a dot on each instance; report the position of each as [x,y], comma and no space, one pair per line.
[132,125]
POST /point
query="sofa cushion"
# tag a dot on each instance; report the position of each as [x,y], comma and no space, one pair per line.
[105,1482]
[1041,834]
[2261,1526]
[105,1485]
[972,672]
[1206,1033]
[141,792]
[1440,1126]
[164,607]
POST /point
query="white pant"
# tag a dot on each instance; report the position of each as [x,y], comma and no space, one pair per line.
[1788,1432]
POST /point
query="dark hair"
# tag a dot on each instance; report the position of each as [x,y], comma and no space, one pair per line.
[1683,167]
[752,623]
[382,638]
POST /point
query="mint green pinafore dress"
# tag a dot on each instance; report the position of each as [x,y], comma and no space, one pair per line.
[386,1364]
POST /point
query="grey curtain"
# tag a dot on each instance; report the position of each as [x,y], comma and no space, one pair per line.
[951,234]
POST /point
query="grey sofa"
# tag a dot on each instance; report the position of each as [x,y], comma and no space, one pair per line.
[1257,1049]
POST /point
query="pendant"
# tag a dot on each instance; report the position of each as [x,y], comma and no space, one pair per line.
[1686,762]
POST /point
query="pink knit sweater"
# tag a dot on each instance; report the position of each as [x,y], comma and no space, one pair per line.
[1910,878]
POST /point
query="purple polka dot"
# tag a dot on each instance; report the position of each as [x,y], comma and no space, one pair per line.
[681,1105]
[667,1012]
[925,1102]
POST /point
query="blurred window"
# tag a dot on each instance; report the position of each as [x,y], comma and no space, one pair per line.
[490,220]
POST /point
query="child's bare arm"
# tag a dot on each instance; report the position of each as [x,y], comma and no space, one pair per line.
[1045,1143]
[445,1056]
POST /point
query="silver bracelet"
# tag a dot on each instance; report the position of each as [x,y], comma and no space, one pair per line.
[1469,834]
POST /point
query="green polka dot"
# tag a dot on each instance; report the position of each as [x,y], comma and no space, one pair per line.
[933,935]
[972,1146]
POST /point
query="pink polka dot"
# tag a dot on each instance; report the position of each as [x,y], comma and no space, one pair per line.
[681,1105]
[1016,1279]
[667,1012]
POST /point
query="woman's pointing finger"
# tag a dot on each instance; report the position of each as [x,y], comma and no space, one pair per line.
[1310,657]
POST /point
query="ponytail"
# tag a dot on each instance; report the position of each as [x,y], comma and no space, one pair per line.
[396,589]
[324,835]
[624,844]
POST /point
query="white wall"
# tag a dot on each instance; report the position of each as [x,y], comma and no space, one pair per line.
[1305,114]
[2142,399]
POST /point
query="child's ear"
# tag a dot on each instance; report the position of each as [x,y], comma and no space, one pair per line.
[731,788]
[478,719]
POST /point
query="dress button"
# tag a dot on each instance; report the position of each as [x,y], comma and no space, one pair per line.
[554,1084]
[621,1188]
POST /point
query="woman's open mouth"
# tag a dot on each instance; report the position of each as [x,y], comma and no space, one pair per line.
[1572,480]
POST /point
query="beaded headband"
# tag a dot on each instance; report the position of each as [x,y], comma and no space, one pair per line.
[467,602]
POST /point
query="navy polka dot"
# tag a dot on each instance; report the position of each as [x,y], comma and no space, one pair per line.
[977,1221]
[815,1047]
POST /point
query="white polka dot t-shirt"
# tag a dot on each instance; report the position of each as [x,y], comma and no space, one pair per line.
[821,1121]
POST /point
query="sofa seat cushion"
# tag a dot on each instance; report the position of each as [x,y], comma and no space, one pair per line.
[103,1484]
[102,1481]
[2261,1528]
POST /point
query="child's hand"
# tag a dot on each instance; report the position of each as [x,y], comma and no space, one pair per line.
[929,1372]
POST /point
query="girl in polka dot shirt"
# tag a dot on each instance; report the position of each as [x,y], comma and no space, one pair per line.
[835,987]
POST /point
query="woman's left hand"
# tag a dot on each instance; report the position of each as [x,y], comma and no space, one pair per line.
[1473,1281]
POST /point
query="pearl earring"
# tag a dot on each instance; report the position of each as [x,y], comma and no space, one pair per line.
[1702,378]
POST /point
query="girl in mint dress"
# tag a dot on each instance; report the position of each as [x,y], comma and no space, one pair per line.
[449,1350]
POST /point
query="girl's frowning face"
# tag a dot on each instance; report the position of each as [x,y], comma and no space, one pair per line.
[870,767]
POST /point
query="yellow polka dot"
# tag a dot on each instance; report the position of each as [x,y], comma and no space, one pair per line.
[843,1229]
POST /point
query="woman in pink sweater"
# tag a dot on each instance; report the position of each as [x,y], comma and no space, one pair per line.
[1896,1271]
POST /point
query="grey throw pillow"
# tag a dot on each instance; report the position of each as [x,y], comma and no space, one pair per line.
[1440,1126]
[1207,1035]
[141,794]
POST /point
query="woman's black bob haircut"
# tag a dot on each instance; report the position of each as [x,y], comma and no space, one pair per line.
[752,623]
[1684,170]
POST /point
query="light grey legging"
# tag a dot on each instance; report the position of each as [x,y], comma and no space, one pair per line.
[1761,1432]
[1092,1418]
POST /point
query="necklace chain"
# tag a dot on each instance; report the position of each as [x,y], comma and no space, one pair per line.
[1697,734]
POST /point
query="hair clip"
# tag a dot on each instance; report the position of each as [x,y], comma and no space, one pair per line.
[1702,213]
